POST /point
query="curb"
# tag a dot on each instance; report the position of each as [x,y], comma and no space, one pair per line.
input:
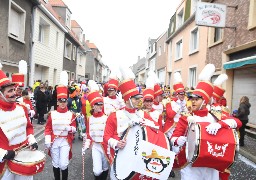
[247,155]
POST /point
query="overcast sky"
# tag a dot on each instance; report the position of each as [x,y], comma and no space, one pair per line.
[121,28]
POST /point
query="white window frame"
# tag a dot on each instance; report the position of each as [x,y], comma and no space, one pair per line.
[159,51]
[194,40]
[74,53]
[43,32]
[70,49]
[68,19]
[57,39]
[219,32]
[16,27]
[180,18]
[178,51]
[72,74]
[192,76]
[252,15]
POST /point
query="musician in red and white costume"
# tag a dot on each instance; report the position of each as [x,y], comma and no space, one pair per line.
[120,120]
[148,98]
[200,98]
[16,131]
[112,102]
[59,131]
[218,92]
[176,106]
[95,131]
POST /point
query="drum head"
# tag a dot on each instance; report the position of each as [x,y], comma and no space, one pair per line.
[123,161]
[28,156]
[192,142]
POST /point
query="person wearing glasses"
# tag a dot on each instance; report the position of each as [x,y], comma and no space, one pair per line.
[61,125]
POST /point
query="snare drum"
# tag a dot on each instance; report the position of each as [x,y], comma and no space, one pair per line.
[123,161]
[27,163]
[213,151]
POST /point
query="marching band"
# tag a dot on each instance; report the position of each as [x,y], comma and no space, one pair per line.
[119,124]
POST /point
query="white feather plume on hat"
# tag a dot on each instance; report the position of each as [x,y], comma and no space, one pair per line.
[64,78]
[23,69]
[207,73]
[1,66]
[113,75]
[177,78]
[150,82]
[126,73]
[220,79]
[93,86]
[153,74]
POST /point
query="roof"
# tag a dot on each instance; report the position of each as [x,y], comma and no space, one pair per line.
[91,45]
[58,3]
[74,24]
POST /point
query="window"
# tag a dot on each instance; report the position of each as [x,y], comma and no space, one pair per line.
[159,51]
[74,53]
[179,50]
[180,18]
[194,40]
[252,14]
[17,18]
[193,6]
[217,34]
[192,77]
[68,20]
[44,29]
[72,76]
[68,49]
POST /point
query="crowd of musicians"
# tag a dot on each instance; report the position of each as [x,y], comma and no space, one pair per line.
[107,115]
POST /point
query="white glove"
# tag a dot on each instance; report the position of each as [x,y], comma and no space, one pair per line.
[191,119]
[181,140]
[32,113]
[48,145]
[213,128]
[175,108]
[231,123]
[78,114]
[70,128]
[84,150]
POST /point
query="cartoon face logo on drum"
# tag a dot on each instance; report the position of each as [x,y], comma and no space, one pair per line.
[155,163]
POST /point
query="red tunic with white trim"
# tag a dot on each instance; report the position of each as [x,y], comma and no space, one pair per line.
[15,127]
[157,117]
[158,106]
[174,109]
[112,104]
[118,122]
[55,126]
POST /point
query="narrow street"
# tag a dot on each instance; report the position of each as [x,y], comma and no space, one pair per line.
[242,168]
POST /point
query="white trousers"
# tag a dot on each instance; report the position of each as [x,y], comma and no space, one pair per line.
[199,173]
[10,176]
[100,162]
[60,153]
[112,174]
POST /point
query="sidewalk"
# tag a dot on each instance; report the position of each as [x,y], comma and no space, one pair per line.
[248,150]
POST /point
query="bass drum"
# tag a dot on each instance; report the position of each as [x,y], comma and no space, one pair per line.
[202,147]
[123,161]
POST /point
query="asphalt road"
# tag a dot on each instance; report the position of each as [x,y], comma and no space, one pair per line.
[242,168]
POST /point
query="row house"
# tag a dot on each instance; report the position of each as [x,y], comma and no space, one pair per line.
[151,55]
[187,45]
[15,33]
[161,57]
[139,69]
[71,43]
[233,51]
[96,64]
[48,42]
